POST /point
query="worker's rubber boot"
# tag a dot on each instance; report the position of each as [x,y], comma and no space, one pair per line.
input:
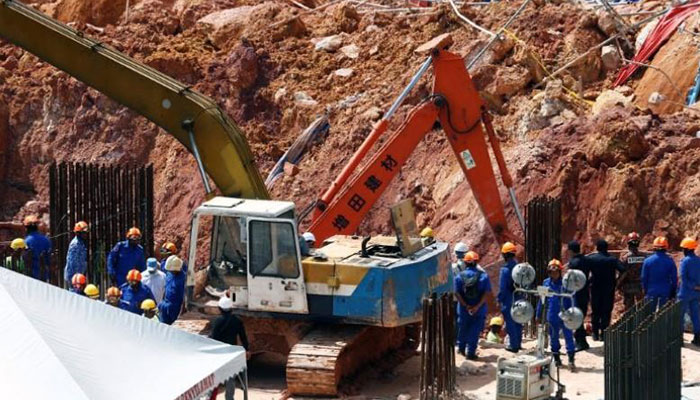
[696,339]
[572,365]
[557,360]
[472,357]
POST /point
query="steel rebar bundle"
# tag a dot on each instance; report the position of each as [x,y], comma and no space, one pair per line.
[437,379]
[111,199]
[643,354]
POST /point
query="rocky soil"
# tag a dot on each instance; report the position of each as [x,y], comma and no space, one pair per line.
[275,67]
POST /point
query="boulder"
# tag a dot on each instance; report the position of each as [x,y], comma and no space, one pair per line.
[610,98]
[344,72]
[304,100]
[610,57]
[329,43]
[350,51]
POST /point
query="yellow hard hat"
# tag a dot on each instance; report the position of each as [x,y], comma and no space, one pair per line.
[148,304]
[427,232]
[18,244]
[92,291]
[496,321]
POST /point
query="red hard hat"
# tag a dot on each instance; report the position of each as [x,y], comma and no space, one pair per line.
[133,275]
[114,291]
[78,279]
[632,237]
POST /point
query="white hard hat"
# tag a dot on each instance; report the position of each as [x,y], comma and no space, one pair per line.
[173,263]
[461,247]
[309,237]
[225,303]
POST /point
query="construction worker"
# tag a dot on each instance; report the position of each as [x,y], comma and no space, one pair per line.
[460,251]
[659,274]
[689,293]
[169,308]
[495,326]
[582,297]
[78,282]
[603,274]
[154,279]
[170,249]
[125,256]
[307,242]
[427,237]
[92,292]
[554,306]
[150,310]
[16,260]
[134,292]
[505,297]
[471,287]
[40,249]
[114,297]
[76,258]
[228,328]
[630,282]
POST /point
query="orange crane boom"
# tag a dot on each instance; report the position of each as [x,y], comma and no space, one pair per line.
[456,104]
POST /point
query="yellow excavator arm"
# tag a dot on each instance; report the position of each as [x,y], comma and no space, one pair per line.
[195,120]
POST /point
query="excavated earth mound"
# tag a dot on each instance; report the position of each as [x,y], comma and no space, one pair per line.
[274,68]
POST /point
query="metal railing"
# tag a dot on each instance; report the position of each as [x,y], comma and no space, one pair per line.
[643,354]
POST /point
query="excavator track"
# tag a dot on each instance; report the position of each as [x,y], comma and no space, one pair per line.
[318,362]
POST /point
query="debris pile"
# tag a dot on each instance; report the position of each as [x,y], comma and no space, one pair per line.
[275,67]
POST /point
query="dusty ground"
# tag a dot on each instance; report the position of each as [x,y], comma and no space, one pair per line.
[475,379]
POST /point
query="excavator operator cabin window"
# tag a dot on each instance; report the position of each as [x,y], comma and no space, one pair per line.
[273,249]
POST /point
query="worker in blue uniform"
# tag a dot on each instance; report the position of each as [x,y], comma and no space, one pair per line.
[554,306]
[170,249]
[76,259]
[169,308]
[506,287]
[134,293]
[689,293]
[659,274]
[125,256]
[471,287]
[39,249]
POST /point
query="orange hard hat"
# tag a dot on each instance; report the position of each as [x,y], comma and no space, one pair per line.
[471,256]
[114,291]
[133,233]
[170,247]
[632,237]
[80,226]
[689,244]
[660,243]
[555,264]
[31,220]
[508,247]
[133,275]
[78,279]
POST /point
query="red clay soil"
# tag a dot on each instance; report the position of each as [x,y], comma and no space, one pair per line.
[618,171]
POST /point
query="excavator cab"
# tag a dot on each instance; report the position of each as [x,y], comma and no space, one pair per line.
[254,252]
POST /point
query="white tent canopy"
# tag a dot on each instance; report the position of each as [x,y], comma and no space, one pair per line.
[57,345]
